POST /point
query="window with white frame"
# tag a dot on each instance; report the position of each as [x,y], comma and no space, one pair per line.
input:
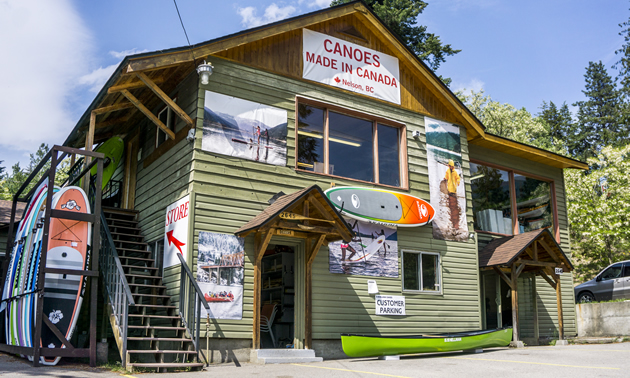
[168,118]
[421,271]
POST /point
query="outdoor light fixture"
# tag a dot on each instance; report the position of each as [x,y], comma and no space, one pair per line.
[204,71]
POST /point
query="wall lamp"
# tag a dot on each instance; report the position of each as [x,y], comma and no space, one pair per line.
[204,70]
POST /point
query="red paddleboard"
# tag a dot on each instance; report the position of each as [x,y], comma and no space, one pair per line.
[68,248]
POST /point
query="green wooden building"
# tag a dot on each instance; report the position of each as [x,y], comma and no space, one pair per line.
[291,109]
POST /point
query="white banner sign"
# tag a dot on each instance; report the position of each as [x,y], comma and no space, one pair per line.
[176,231]
[390,305]
[346,65]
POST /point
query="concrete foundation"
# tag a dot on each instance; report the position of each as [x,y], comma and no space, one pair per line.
[329,349]
[603,319]
[227,350]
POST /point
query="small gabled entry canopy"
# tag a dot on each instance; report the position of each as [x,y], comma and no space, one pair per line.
[305,214]
[536,252]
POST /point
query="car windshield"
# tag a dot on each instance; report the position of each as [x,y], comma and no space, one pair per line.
[612,272]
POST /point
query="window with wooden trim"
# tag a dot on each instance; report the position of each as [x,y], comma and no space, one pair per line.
[506,202]
[168,118]
[343,143]
[421,272]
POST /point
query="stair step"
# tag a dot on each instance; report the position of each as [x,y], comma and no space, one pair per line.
[149,351]
[130,242]
[109,219]
[142,277]
[157,327]
[151,316]
[151,295]
[139,267]
[165,307]
[131,250]
[127,235]
[166,365]
[288,360]
[137,258]
[175,339]
[124,227]
[117,210]
[148,286]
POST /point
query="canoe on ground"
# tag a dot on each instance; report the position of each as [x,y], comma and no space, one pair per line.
[375,346]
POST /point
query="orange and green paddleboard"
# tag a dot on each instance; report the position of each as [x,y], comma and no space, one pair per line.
[380,206]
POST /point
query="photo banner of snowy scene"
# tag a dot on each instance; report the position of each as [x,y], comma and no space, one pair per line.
[220,274]
[372,252]
[244,129]
[446,183]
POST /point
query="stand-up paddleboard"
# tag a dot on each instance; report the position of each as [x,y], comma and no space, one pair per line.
[370,250]
[68,248]
[113,150]
[382,207]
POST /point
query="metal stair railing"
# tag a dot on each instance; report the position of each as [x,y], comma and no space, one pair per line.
[190,301]
[115,285]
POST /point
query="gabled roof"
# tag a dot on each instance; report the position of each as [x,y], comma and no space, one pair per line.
[505,251]
[167,68]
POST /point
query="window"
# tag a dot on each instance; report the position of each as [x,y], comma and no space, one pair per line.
[359,147]
[611,273]
[168,118]
[502,198]
[421,271]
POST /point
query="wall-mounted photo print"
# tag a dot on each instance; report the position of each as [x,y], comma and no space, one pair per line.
[220,274]
[372,252]
[244,129]
[446,182]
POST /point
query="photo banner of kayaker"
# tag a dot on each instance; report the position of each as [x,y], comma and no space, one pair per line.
[372,252]
[244,129]
[446,183]
[220,274]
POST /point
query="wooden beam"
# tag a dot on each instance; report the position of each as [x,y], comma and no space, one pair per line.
[148,113]
[175,58]
[519,270]
[343,232]
[502,275]
[133,85]
[515,304]
[111,122]
[164,97]
[89,142]
[546,277]
[535,251]
[315,229]
[113,108]
[310,257]
[560,315]
[540,263]
[535,309]
[549,251]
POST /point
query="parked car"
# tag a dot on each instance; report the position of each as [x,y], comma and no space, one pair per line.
[611,283]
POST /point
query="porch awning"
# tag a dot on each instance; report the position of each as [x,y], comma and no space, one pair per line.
[534,248]
[312,214]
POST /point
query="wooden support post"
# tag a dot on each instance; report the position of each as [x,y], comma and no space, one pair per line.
[535,308]
[89,142]
[310,257]
[560,317]
[514,305]
[260,245]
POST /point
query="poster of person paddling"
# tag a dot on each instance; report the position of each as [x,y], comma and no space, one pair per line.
[244,129]
[372,252]
[446,182]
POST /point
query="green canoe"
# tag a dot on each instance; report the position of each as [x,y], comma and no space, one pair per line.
[374,346]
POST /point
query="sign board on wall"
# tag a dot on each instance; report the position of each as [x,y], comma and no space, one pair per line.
[346,65]
[176,231]
[390,305]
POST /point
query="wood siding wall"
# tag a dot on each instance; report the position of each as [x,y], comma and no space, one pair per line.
[230,191]
[547,308]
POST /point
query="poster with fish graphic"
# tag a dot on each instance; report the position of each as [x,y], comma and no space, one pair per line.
[446,181]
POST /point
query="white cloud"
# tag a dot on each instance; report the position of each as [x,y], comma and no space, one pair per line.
[319,3]
[250,18]
[121,54]
[474,84]
[97,78]
[45,48]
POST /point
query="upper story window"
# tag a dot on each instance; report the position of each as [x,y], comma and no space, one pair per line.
[502,199]
[342,143]
[168,118]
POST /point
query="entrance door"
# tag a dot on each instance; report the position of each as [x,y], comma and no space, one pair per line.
[282,295]
[492,301]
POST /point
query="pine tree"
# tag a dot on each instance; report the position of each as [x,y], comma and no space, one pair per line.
[560,127]
[401,17]
[598,122]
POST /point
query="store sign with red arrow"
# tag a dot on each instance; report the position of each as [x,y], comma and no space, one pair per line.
[176,232]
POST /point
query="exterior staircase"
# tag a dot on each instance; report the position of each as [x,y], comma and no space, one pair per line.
[156,336]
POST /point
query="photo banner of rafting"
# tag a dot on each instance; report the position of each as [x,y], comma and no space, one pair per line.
[220,274]
[446,183]
[244,129]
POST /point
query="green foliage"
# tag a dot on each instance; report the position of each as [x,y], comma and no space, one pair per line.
[560,127]
[401,17]
[600,218]
[599,122]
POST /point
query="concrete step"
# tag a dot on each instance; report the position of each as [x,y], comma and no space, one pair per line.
[283,356]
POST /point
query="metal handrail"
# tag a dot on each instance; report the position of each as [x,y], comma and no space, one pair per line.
[116,285]
[190,301]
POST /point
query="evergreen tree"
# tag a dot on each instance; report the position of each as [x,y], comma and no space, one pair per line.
[401,17]
[560,126]
[598,122]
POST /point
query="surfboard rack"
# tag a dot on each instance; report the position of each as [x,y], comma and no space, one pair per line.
[54,157]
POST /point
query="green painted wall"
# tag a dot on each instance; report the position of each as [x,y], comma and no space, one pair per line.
[547,306]
[228,192]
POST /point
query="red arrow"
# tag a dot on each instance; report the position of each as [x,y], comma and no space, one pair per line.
[172,239]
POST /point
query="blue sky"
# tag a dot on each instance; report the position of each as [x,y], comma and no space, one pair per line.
[58,53]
